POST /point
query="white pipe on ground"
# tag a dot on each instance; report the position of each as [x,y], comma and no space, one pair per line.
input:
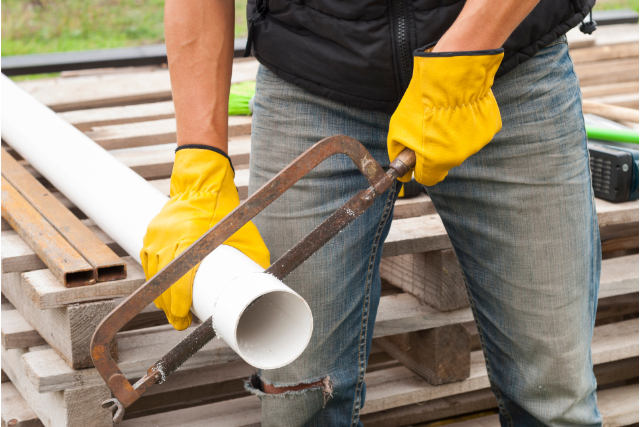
[263,320]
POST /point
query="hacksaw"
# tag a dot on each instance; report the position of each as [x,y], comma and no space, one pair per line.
[379,181]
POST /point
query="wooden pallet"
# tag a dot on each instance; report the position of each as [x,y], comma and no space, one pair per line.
[46,327]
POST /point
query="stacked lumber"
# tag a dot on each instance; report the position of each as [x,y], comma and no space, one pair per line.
[607,64]
[426,363]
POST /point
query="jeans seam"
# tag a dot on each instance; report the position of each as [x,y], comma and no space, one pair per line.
[495,389]
[365,308]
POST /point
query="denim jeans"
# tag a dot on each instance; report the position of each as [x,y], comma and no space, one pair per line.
[521,219]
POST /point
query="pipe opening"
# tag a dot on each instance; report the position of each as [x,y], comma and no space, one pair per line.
[274,330]
[79,278]
[112,272]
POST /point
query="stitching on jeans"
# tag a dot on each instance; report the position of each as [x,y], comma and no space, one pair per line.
[501,404]
[365,308]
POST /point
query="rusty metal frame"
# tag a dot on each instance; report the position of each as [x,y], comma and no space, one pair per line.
[62,259]
[126,393]
[106,264]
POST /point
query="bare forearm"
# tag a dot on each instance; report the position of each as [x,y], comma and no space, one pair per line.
[199,37]
[484,24]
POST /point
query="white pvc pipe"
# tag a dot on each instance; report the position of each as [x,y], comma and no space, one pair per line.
[264,321]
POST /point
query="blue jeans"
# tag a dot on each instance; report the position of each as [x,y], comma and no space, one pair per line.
[521,219]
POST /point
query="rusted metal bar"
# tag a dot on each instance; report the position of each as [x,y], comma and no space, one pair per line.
[107,265]
[61,258]
[126,393]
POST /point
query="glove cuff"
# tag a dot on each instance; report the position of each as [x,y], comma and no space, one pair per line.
[200,169]
[452,80]
[207,147]
[425,51]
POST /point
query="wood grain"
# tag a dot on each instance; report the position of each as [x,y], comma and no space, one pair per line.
[67,329]
[433,277]
[103,91]
[438,355]
[16,412]
[68,408]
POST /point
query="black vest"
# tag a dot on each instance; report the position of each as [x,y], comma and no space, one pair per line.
[361,52]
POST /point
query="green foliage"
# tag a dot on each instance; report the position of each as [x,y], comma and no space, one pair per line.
[616,4]
[43,26]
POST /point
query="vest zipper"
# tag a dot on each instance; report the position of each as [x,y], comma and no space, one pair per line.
[401,39]
[261,8]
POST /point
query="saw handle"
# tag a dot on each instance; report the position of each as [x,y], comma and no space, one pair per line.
[405,161]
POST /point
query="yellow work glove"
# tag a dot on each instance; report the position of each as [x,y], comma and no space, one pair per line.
[448,112]
[202,193]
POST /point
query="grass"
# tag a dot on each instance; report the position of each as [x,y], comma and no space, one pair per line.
[43,26]
[616,4]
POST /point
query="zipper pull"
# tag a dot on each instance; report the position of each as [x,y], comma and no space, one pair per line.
[252,21]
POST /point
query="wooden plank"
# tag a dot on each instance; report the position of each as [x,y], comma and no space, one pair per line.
[612,71]
[153,132]
[386,389]
[67,329]
[438,355]
[606,52]
[433,277]
[68,408]
[630,100]
[610,89]
[84,120]
[16,412]
[101,91]
[420,234]
[17,332]
[156,161]
[619,406]
[445,407]
[416,206]
[46,292]
[137,350]
[618,276]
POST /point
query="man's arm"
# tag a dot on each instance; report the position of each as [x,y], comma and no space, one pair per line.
[199,36]
[484,24]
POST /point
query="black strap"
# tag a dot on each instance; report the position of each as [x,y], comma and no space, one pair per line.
[206,147]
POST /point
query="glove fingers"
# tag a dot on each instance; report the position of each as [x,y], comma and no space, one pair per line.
[182,290]
[160,260]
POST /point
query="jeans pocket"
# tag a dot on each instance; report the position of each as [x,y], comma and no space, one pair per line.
[559,40]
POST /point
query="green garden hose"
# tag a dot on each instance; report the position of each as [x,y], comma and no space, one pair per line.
[607,134]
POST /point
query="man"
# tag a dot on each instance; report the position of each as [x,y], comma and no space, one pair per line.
[500,145]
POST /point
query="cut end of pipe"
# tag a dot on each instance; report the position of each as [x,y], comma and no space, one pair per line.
[274,330]
[262,319]
[79,278]
[112,272]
